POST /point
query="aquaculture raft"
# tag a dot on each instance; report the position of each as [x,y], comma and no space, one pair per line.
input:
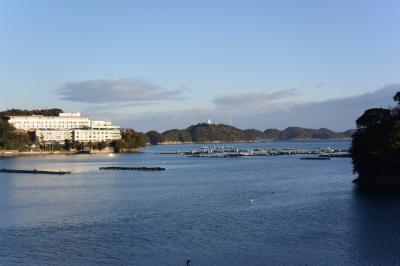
[133,168]
[34,171]
[315,158]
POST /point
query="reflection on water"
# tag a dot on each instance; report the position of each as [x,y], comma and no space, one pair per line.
[239,211]
[377,233]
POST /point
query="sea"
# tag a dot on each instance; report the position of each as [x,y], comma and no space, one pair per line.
[276,210]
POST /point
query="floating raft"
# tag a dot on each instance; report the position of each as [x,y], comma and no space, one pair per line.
[341,155]
[315,158]
[232,152]
[34,171]
[134,168]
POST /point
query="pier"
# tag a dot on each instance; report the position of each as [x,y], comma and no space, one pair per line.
[34,171]
[133,168]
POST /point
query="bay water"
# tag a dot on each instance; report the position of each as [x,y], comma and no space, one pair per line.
[214,211]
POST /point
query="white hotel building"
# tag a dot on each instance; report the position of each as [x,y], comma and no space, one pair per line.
[66,126]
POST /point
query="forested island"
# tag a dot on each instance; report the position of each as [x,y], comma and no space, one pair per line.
[203,132]
[375,147]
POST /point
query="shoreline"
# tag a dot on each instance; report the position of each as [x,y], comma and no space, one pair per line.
[15,153]
[8,153]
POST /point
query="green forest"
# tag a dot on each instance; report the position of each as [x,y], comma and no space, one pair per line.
[11,139]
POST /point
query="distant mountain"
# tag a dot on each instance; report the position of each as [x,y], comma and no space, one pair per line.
[177,135]
[205,132]
[349,133]
[224,133]
[254,134]
[271,133]
[209,133]
[307,133]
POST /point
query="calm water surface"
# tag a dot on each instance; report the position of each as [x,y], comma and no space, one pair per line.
[231,211]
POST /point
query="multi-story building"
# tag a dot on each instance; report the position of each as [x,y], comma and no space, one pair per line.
[62,121]
[49,135]
[99,131]
[66,126]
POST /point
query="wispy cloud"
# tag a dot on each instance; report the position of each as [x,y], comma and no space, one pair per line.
[252,99]
[117,91]
[337,114]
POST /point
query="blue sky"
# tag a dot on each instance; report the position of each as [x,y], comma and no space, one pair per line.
[163,64]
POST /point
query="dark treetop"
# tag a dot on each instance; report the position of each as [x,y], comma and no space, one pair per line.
[375,147]
[46,112]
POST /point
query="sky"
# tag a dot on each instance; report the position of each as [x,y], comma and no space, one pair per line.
[170,64]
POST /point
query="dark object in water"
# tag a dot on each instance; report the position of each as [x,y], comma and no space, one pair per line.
[133,168]
[34,171]
[333,155]
[233,155]
[315,158]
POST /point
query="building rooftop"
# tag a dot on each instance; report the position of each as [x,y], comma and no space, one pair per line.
[77,114]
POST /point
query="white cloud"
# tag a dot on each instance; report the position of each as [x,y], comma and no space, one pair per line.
[117,91]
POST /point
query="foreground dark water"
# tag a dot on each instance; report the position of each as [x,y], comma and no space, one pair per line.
[238,211]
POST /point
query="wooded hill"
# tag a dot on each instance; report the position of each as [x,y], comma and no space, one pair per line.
[224,133]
